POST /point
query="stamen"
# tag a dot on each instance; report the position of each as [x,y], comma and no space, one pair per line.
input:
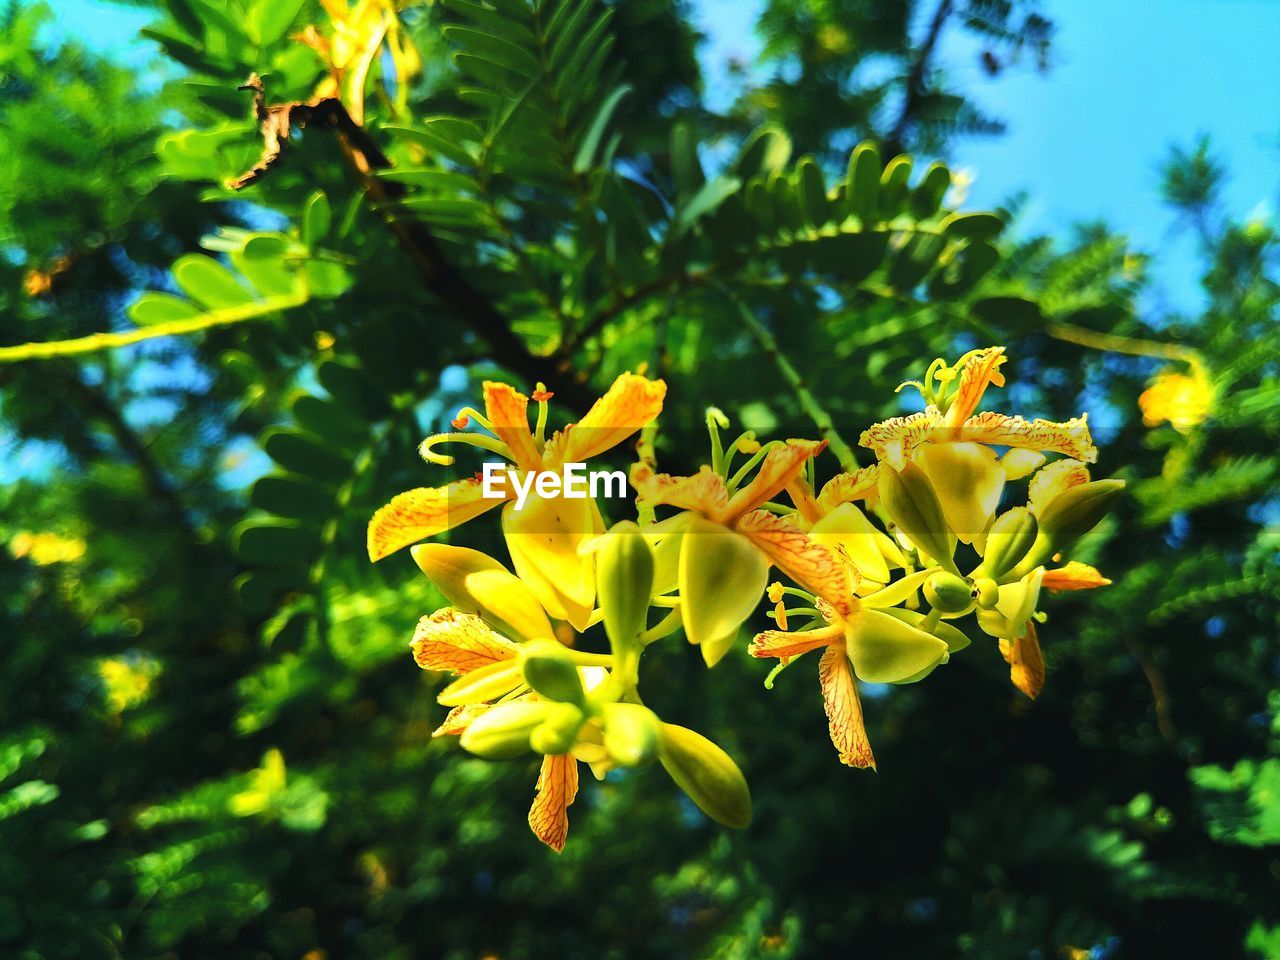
[746,443]
[541,394]
[467,415]
[716,421]
[492,444]
[752,462]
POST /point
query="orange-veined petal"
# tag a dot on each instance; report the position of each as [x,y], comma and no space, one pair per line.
[630,403]
[458,719]
[1073,576]
[784,645]
[557,789]
[893,440]
[1026,661]
[1071,438]
[703,493]
[1050,481]
[459,642]
[424,512]
[780,466]
[844,709]
[981,369]
[850,487]
[805,561]
[507,409]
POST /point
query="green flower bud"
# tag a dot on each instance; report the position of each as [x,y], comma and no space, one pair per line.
[707,774]
[550,670]
[502,732]
[988,592]
[557,733]
[913,505]
[950,594]
[713,651]
[489,682]
[1068,517]
[631,733]
[1008,541]
[624,581]
[476,583]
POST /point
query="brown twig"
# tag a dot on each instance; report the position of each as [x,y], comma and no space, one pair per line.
[439,276]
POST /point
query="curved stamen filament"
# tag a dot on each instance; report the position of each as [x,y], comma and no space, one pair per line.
[716,421]
[540,431]
[473,415]
[752,462]
[492,444]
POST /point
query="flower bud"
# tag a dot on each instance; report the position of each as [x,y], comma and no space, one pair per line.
[1067,517]
[1008,541]
[503,731]
[949,594]
[489,682]
[913,505]
[722,577]
[1015,606]
[631,733]
[624,581]
[476,583]
[988,592]
[707,774]
[557,733]
[550,670]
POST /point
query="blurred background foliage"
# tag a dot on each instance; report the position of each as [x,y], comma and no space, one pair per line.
[213,741]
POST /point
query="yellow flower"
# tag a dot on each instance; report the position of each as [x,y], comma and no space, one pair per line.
[45,549]
[722,543]
[1185,401]
[863,638]
[126,683]
[953,443]
[545,536]
[266,784]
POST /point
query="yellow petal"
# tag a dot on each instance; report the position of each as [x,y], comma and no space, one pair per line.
[703,493]
[849,487]
[722,577]
[784,645]
[1026,662]
[847,529]
[780,466]
[1071,438]
[630,403]
[557,788]
[1052,480]
[476,583]
[981,369]
[805,561]
[1184,401]
[968,481]
[424,512]
[894,440]
[489,682]
[884,649]
[543,540]
[1073,576]
[844,709]
[458,719]
[458,642]
[1018,463]
[507,409]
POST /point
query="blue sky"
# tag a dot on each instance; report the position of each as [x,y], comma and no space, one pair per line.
[1129,79]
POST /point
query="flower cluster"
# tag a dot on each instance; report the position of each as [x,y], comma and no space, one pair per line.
[880,565]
